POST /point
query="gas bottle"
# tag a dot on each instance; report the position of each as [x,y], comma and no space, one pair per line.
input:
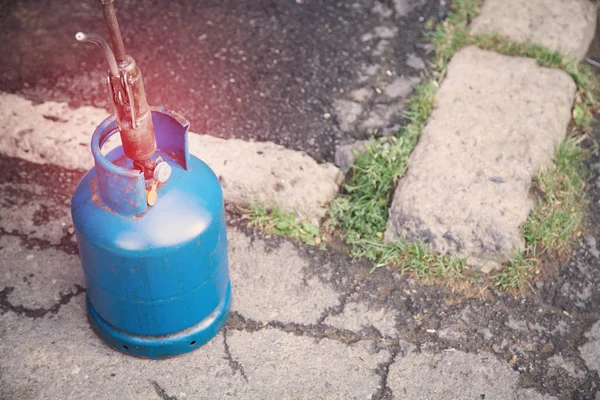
[150,224]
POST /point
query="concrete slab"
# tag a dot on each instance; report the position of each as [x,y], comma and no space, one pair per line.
[497,121]
[27,209]
[564,25]
[590,351]
[453,374]
[59,357]
[50,132]
[281,365]
[270,174]
[48,350]
[346,154]
[53,133]
[38,278]
[357,316]
[273,284]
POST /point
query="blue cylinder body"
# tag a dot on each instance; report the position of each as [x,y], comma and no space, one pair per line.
[157,277]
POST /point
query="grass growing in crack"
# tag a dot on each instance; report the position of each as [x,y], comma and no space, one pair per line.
[557,216]
[275,222]
[516,275]
[361,212]
[555,220]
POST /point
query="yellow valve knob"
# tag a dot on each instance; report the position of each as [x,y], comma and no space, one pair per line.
[151,195]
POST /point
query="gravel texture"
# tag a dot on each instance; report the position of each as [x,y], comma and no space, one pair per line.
[255,70]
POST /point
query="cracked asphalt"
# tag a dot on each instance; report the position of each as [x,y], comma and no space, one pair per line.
[325,328]
[305,323]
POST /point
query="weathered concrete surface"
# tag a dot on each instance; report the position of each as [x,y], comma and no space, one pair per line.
[261,293]
[357,316]
[497,121]
[54,133]
[590,351]
[270,174]
[425,376]
[24,210]
[305,324]
[49,132]
[282,365]
[38,278]
[564,25]
[59,357]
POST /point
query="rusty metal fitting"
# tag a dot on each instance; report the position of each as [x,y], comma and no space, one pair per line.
[127,93]
[133,112]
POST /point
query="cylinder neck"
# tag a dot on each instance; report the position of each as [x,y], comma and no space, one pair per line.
[121,189]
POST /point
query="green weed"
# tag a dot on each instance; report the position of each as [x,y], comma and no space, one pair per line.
[275,222]
[557,216]
[359,214]
[516,275]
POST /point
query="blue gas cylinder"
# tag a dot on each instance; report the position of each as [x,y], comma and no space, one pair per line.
[156,276]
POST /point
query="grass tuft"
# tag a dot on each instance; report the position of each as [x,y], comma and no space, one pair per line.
[557,216]
[516,275]
[362,211]
[275,222]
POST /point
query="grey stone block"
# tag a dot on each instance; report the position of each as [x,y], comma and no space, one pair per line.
[270,174]
[497,121]
[564,25]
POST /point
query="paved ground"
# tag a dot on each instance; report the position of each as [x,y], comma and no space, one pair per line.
[305,323]
[54,133]
[226,65]
[325,328]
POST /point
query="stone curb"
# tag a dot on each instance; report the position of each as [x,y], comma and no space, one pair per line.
[498,120]
[265,172]
[564,26]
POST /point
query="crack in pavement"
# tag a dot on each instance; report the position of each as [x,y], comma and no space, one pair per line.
[384,392]
[34,313]
[66,244]
[338,309]
[235,365]
[317,331]
[162,393]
